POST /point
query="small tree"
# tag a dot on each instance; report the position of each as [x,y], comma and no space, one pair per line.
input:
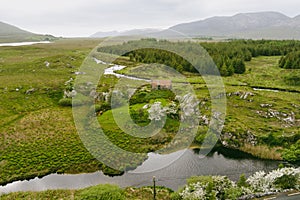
[230,70]
[239,66]
[223,70]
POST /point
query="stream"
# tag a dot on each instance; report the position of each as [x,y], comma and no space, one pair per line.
[111,71]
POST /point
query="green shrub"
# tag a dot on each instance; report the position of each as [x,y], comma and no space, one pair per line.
[145,97]
[210,138]
[280,166]
[292,154]
[290,61]
[102,107]
[175,196]
[65,102]
[286,181]
[272,139]
[242,181]
[102,192]
[239,66]
[233,193]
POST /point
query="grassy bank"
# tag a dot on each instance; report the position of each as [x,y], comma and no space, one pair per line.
[101,192]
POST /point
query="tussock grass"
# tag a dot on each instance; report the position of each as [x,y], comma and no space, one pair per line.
[263,151]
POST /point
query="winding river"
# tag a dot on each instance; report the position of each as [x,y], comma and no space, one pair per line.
[113,68]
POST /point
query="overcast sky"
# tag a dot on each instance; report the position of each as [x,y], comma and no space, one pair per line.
[85,17]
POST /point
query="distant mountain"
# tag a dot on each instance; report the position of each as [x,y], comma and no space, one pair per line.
[10,33]
[259,25]
[295,22]
[101,34]
[267,25]
[141,32]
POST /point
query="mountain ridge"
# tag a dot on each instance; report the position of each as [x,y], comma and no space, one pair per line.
[244,25]
[252,25]
[145,31]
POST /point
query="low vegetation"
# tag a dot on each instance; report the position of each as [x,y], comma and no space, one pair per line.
[290,61]
[257,185]
[38,135]
[99,192]
[262,116]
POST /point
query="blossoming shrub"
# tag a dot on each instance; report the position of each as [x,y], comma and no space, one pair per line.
[259,184]
[275,181]
[206,187]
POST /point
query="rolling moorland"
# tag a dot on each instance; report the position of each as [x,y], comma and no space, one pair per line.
[269,136]
[38,135]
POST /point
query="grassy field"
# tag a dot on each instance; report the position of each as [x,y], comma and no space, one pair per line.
[38,137]
[264,72]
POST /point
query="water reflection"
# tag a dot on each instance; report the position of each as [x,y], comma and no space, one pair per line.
[16,44]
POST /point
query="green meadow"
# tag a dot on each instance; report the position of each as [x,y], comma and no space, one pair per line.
[38,136]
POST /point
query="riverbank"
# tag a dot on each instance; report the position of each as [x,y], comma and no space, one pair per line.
[259,184]
[96,192]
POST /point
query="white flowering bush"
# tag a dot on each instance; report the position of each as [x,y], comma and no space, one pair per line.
[172,108]
[157,111]
[194,191]
[275,181]
[221,183]
[189,106]
[259,184]
[206,187]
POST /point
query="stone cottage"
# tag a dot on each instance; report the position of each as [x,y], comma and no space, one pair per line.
[161,84]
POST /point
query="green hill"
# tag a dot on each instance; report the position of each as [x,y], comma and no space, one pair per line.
[9,33]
